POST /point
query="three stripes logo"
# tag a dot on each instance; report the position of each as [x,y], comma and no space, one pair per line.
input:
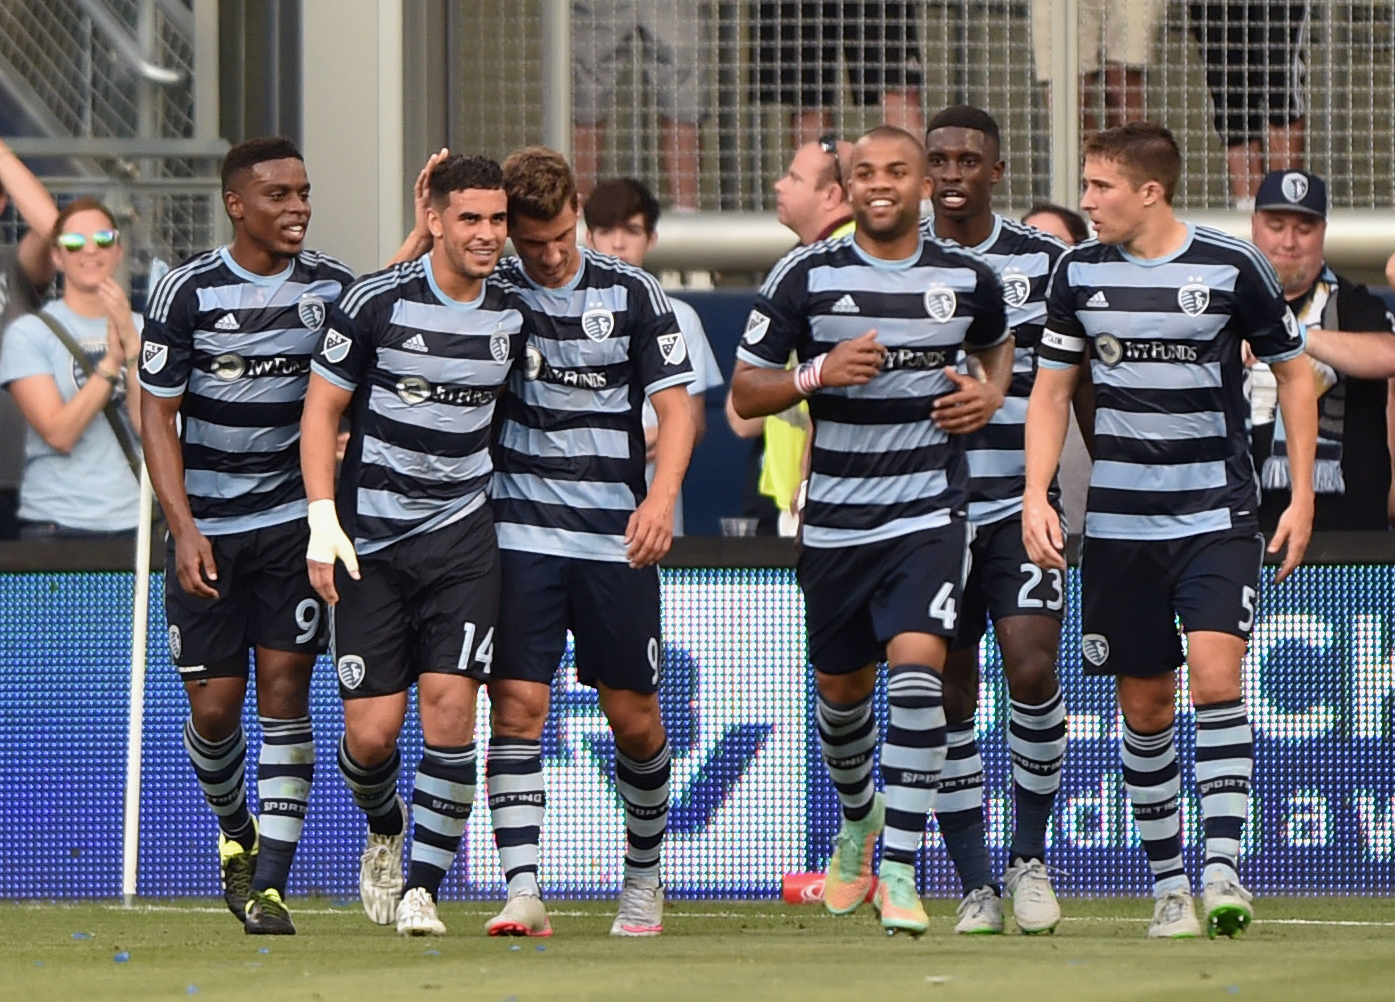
[846,305]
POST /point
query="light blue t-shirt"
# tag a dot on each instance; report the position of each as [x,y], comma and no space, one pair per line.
[90,488]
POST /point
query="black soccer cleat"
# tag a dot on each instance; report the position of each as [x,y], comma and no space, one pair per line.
[236,866]
[267,915]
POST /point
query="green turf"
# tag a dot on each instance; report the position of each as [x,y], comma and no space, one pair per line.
[1320,949]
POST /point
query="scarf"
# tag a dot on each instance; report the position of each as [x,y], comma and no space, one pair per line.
[1319,309]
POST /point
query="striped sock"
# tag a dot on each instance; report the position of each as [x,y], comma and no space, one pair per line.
[1037,740]
[848,735]
[1225,764]
[442,797]
[912,756]
[643,786]
[1153,781]
[374,788]
[220,769]
[959,807]
[516,805]
[284,772]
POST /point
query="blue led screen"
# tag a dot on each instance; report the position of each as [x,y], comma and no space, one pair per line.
[750,799]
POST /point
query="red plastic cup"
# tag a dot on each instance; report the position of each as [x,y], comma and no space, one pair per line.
[807,888]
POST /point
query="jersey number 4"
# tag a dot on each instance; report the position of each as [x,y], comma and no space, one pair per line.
[944,608]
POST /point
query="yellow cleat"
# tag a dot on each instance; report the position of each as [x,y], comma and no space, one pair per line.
[898,902]
[849,879]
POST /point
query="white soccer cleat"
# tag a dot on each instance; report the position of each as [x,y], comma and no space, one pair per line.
[1034,905]
[1174,917]
[1227,908]
[380,873]
[416,915]
[523,915]
[980,913]
[641,910]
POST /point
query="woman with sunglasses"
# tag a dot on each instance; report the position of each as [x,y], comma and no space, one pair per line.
[65,366]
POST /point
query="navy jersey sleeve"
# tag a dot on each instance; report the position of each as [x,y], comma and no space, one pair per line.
[1062,341]
[167,338]
[657,347]
[1264,319]
[778,323]
[1359,309]
[1027,334]
[347,348]
[989,325]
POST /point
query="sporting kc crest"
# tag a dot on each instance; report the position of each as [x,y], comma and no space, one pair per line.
[499,346]
[940,302]
[1016,288]
[1294,187]
[1194,297]
[598,324]
[312,312]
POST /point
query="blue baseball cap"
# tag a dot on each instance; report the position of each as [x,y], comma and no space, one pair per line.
[1293,191]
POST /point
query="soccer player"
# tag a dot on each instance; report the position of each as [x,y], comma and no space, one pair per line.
[876,319]
[225,359]
[1025,603]
[1160,307]
[418,355]
[579,535]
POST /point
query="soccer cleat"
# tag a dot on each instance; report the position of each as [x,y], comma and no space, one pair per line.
[849,877]
[523,915]
[267,915]
[897,901]
[236,866]
[980,913]
[1174,917]
[1227,908]
[416,914]
[380,873]
[641,911]
[1034,906]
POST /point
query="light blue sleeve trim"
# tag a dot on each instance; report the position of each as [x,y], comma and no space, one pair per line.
[332,378]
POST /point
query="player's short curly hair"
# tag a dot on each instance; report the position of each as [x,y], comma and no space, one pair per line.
[461,173]
[965,116]
[538,182]
[1144,151]
[254,151]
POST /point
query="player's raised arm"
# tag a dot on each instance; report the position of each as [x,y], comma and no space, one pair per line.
[1048,417]
[1298,408]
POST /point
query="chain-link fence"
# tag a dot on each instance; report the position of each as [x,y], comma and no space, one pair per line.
[704,100]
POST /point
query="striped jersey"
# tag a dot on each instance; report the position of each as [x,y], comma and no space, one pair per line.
[1023,257]
[1172,452]
[570,450]
[425,371]
[236,346]
[880,467]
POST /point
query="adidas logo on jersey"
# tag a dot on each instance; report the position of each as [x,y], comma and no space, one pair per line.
[416,343]
[846,305]
[1097,301]
[228,322]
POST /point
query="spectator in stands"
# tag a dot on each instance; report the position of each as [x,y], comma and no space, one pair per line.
[1351,345]
[811,201]
[1254,56]
[1116,47]
[669,38]
[69,368]
[795,53]
[26,271]
[1064,224]
[622,218]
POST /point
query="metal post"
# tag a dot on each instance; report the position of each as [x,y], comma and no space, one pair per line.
[1065,102]
[135,723]
[205,80]
[557,75]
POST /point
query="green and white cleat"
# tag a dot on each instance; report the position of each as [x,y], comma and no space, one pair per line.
[1227,907]
[898,902]
[980,914]
[236,867]
[416,914]
[849,877]
[380,873]
[1034,905]
[1174,917]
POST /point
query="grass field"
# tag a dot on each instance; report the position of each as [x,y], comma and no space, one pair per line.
[1299,948]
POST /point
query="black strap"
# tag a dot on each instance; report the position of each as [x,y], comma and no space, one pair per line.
[112,409]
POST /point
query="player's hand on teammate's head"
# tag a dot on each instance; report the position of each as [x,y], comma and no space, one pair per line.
[970,406]
[1292,535]
[1041,533]
[854,362]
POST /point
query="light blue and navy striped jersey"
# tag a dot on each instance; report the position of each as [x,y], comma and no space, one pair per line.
[1172,452]
[425,371]
[570,452]
[236,346]
[1023,257]
[880,467]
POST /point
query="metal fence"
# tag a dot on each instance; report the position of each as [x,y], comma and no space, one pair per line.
[757,72]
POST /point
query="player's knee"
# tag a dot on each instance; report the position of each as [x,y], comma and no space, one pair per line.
[961,685]
[513,716]
[215,722]
[639,735]
[370,743]
[1032,680]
